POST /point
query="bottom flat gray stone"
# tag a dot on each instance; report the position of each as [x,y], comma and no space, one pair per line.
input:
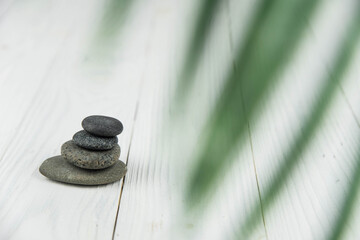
[59,169]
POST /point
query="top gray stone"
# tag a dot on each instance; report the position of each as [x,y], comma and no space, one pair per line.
[102,126]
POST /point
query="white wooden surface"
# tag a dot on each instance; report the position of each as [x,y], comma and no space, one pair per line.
[47,86]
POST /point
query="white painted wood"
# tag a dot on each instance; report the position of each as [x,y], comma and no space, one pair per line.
[153,196]
[49,82]
[46,90]
[350,92]
[312,196]
[5,6]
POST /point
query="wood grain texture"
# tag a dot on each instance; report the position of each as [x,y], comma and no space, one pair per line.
[50,80]
[349,89]
[153,196]
[311,199]
[46,90]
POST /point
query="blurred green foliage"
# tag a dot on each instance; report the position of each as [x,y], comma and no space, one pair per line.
[271,39]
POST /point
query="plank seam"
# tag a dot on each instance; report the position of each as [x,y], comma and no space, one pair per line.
[257,181]
[142,78]
[36,93]
[349,105]
[339,84]
[127,160]
[231,43]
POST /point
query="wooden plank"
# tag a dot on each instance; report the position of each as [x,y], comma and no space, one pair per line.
[31,36]
[54,90]
[42,66]
[4,7]
[153,196]
[311,198]
[350,88]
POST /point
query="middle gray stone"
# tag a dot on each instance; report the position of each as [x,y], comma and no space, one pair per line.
[88,141]
[89,159]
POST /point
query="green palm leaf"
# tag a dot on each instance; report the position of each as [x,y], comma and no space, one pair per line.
[348,204]
[113,19]
[272,38]
[207,12]
[107,34]
[292,157]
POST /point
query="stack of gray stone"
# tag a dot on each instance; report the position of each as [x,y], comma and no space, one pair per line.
[91,157]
